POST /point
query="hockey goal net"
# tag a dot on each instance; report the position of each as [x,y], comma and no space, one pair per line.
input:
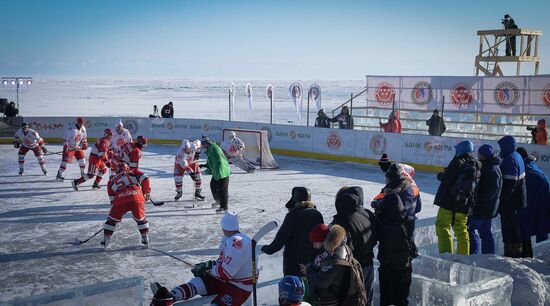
[256,146]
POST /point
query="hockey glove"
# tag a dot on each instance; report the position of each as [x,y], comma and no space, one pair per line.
[200,269]
[147,197]
[16,144]
[44,150]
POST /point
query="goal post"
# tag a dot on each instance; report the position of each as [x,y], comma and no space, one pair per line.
[256,146]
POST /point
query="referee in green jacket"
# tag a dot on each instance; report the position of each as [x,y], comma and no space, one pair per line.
[217,165]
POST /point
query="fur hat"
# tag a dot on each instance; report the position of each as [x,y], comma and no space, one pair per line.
[299,194]
[394,172]
[336,237]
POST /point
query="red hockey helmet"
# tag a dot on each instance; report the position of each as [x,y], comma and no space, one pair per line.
[122,166]
[80,120]
[142,141]
[108,132]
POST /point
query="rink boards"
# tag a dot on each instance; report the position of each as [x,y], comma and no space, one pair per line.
[425,152]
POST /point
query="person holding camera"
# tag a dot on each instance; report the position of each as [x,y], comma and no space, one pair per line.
[509,23]
[539,133]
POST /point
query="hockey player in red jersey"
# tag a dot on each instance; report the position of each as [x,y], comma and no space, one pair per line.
[26,140]
[186,162]
[131,152]
[128,191]
[75,142]
[97,166]
[229,277]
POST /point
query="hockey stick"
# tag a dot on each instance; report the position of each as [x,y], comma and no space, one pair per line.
[156,203]
[262,232]
[80,242]
[173,256]
[53,153]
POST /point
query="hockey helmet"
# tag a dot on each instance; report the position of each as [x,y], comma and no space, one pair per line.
[233,134]
[108,132]
[122,166]
[185,143]
[142,141]
[80,121]
[291,289]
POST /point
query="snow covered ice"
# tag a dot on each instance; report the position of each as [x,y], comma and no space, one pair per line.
[41,218]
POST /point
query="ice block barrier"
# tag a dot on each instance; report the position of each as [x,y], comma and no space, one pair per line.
[123,292]
[440,282]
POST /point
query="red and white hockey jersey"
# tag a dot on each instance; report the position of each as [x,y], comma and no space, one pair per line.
[30,140]
[131,154]
[128,188]
[234,263]
[101,148]
[75,139]
[119,140]
[184,159]
[233,148]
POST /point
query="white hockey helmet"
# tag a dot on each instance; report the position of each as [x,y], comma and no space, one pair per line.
[233,134]
[185,143]
[119,123]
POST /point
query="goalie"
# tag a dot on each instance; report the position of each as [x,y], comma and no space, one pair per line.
[233,149]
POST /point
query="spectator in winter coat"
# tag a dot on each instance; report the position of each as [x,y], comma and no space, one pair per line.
[358,223]
[393,125]
[486,208]
[301,218]
[395,250]
[291,291]
[217,165]
[344,119]
[329,282]
[512,197]
[541,133]
[398,180]
[322,119]
[436,124]
[453,212]
[533,219]
[11,110]
[167,110]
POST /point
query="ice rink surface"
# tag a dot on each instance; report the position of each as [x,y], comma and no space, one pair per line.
[41,217]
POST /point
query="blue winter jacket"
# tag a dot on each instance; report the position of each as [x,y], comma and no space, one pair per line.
[534,218]
[513,195]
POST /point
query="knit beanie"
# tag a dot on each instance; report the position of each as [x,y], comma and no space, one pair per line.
[394,172]
[486,151]
[230,221]
[384,162]
[319,233]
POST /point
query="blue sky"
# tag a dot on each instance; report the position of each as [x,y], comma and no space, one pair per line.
[254,39]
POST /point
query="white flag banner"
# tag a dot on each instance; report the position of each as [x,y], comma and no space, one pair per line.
[248,92]
[539,92]
[463,93]
[420,93]
[295,90]
[232,99]
[504,95]
[382,91]
[315,95]
[269,92]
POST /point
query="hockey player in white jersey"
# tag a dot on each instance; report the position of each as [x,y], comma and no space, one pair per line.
[229,277]
[26,140]
[186,162]
[233,149]
[75,143]
[121,136]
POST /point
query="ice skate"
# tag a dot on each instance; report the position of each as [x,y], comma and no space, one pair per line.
[198,195]
[45,172]
[179,193]
[59,176]
[145,240]
[75,185]
[96,186]
[105,241]
[161,295]
[20,172]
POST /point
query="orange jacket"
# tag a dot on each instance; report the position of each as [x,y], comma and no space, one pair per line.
[541,136]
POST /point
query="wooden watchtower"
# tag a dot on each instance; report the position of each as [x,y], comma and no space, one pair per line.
[488,60]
